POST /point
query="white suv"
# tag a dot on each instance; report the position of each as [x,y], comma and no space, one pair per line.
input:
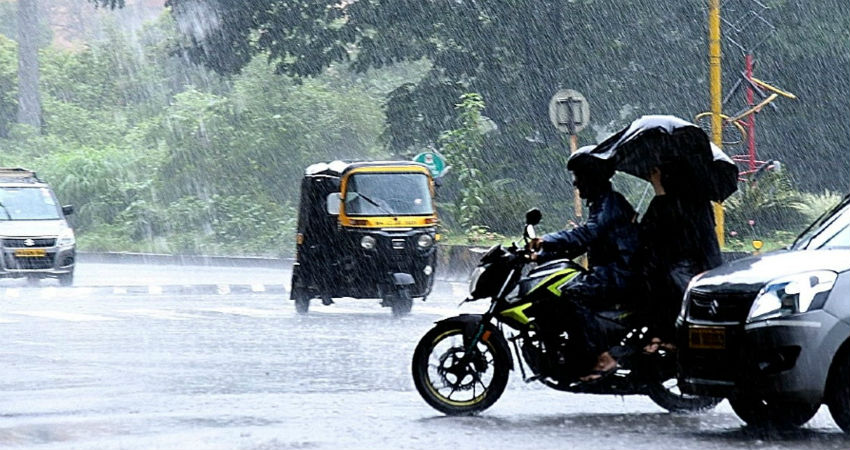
[35,239]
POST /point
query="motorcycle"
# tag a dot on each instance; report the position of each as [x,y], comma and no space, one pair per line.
[461,365]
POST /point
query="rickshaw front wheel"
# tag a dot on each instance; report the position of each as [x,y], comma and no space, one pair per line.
[401,303]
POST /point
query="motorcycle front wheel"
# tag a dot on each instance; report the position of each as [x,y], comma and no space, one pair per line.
[454,383]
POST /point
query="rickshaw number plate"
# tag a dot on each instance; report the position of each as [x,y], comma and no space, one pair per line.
[713,338]
[30,252]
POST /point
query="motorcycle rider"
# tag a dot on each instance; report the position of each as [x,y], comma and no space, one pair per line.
[609,237]
[677,241]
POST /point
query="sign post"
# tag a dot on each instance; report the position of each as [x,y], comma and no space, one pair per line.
[569,112]
[434,161]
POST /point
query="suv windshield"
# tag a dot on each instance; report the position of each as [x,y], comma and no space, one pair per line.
[831,230]
[28,203]
[388,194]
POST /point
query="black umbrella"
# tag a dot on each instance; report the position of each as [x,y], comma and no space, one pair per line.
[693,165]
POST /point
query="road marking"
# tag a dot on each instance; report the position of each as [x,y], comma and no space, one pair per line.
[159,314]
[250,312]
[62,315]
[154,289]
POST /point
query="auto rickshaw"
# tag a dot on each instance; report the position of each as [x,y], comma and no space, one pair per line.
[365,230]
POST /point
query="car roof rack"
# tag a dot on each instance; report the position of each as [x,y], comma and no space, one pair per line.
[18,175]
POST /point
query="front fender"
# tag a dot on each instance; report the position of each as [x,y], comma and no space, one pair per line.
[469,324]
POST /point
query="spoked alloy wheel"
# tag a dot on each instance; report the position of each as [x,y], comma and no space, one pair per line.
[456,384]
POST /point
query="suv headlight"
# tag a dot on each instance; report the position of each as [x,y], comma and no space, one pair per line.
[791,295]
[66,238]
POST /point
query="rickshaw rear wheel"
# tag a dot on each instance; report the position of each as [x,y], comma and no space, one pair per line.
[401,303]
[302,304]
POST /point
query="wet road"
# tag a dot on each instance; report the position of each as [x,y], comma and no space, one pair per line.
[94,370]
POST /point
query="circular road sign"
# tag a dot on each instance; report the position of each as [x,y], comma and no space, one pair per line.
[569,111]
[435,162]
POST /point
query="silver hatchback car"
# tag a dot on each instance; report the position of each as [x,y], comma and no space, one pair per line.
[36,240]
[772,332]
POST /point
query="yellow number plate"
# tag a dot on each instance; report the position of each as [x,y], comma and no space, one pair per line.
[30,252]
[713,338]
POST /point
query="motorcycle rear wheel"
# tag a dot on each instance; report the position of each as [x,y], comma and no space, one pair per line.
[452,387]
[667,395]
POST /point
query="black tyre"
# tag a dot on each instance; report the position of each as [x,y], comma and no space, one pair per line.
[454,387]
[401,303]
[66,279]
[758,412]
[668,396]
[302,304]
[838,393]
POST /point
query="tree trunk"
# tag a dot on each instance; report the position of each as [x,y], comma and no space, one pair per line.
[29,99]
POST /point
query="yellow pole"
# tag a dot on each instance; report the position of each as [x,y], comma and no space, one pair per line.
[716,102]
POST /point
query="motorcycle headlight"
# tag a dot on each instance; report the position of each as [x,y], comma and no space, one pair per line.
[473,279]
[425,241]
[368,242]
[66,238]
[791,295]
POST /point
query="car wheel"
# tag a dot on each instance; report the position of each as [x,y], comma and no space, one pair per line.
[66,279]
[838,394]
[758,412]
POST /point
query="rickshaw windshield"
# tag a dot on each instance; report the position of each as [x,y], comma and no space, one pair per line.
[388,194]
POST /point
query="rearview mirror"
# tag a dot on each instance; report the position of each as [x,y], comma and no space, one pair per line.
[333,203]
[529,232]
[533,216]
[67,210]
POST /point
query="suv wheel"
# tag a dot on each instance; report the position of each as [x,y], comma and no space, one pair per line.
[757,412]
[838,395]
[66,279]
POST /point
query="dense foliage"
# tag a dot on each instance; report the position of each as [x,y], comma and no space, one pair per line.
[160,154]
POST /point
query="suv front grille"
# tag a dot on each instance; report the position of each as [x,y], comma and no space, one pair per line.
[44,262]
[712,307]
[37,242]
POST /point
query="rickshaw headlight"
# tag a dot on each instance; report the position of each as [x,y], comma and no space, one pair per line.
[425,241]
[368,242]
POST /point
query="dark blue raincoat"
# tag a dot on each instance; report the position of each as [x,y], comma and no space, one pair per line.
[610,239]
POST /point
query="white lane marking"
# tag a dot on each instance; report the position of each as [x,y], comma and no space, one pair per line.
[159,314]
[84,291]
[250,312]
[62,315]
